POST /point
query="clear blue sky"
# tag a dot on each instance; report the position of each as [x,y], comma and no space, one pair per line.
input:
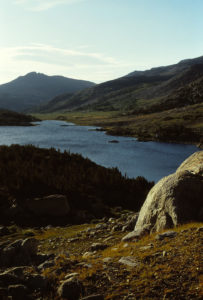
[96,40]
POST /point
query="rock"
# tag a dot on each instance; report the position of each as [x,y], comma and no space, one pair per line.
[147,247]
[93,297]
[130,223]
[129,261]
[137,233]
[167,234]
[6,278]
[98,246]
[101,226]
[87,254]
[4,230]
[19,253]
[107,259]
[46,264]
[113,141]
[200,229]
[117,227]
[36,282]
[71,275]
[18,291]
[29,246]
[193,164]
[175,199]
[52,206]
[70,289]
[3,293]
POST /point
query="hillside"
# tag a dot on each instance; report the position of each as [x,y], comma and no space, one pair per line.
[159,88]
[11,118]
[28,174]
[35,89]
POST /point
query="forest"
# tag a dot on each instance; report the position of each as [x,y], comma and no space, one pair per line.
[27,172]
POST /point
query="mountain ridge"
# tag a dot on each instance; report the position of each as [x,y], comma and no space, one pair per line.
[131,92]
[34,89]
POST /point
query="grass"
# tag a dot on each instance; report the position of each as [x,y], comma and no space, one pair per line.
[170,269]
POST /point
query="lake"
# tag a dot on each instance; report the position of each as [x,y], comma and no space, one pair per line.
[153,160]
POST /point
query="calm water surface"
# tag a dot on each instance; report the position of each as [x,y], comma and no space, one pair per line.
[149,159]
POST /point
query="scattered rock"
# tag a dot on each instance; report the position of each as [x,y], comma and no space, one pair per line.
[19,253]
[87,254]
[137,233]
[147,247]
[70,289]
[18,291]
[131,223]
[71,275]
[46,264]
[7,278]
[129,261]
[167,234]
[36,282]
[200,229]
[107,259]
[93,297]
[98,246]
[4,230]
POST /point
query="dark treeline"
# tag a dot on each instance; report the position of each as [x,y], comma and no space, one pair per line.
[28,172]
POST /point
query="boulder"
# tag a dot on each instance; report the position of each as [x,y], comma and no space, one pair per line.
[94,297]
[18,291]
[19,253]
[51,206]
[175,199]
[70,289]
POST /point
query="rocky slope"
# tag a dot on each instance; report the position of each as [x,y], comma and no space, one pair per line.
[90,261]
[157,89]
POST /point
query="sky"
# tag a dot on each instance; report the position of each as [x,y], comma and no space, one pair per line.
[96,40]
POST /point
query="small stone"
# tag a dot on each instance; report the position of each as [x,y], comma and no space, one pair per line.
[4,230]
[70,289]
[71,275]
[98,246]
[108,239]
[200,229]
[129,261]
[93,297]
[46,264]
[116,228]
[87,254]
[107,259]
[167,234]
[73,240]
[147,247]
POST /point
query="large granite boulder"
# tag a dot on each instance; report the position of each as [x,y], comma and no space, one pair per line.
[175,199]
[51,206]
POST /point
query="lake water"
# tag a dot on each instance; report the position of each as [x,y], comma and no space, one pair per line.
[152,160]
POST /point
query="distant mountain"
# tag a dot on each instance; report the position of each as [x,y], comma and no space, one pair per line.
[140,91]
[35,89]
